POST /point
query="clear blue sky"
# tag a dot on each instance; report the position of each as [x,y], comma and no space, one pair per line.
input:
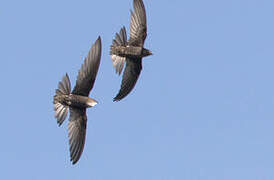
[203,108]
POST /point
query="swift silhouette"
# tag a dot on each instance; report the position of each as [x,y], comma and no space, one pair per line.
[77,101]
[131,51]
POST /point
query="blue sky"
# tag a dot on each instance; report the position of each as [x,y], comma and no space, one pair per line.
[202,109]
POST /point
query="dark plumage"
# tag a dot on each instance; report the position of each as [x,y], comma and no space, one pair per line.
[77,101]
[131,51]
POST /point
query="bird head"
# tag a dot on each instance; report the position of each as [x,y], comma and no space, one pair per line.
[146,52]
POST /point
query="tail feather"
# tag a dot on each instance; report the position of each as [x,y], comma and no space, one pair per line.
[61,112]
[64,86]
[120,40]
[60,109]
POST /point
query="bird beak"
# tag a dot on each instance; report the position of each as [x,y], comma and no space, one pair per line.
[91,102]
[150,52]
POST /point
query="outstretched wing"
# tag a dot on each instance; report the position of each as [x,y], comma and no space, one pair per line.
[138,24]
[77,132]
[130,77]
[87,74]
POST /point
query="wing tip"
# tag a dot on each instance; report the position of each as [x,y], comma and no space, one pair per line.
[115,99]
[98,40]
[74,161]
[138,2]
[119,97]
[98,44]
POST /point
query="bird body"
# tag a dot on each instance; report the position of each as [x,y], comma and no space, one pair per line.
[127,51]
[77,101]
[132,51]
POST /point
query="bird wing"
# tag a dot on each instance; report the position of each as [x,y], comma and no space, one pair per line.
[120,40]
[138,24]
[88,71]
[77,133]
[130,77]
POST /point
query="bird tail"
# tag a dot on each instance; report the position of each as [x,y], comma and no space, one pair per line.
[60,109]
[120,40]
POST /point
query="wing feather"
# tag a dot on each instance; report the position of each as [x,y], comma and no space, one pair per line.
[87,74]
[130,77]
[77,133]
[138,24]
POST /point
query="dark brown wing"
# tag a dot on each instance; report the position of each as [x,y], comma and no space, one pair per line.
[130,77]
[77,132]
[88,71]
[138,24]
